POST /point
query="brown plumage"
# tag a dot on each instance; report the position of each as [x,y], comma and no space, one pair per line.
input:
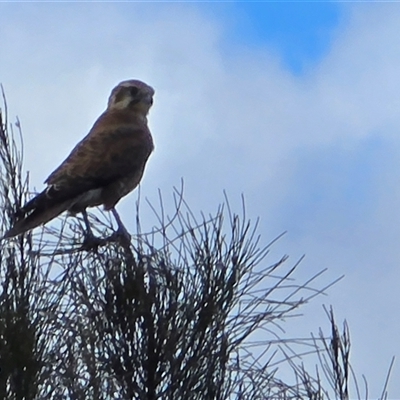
[105,166]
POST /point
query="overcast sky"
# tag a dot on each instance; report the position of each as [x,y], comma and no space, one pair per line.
[295,105]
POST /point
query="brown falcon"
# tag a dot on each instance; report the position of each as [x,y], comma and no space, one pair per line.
[105,166]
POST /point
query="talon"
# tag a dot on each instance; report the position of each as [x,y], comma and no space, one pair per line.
[91,242]
[124,236]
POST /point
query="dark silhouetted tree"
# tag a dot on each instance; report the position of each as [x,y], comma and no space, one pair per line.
[189,310]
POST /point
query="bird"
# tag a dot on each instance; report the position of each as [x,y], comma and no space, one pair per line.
[106,165]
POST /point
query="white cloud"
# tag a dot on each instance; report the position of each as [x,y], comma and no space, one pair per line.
[242,123]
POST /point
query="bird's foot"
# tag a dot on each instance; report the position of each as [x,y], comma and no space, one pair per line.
[122,236]
[91,242]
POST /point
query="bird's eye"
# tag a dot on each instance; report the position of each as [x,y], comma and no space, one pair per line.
[133,91]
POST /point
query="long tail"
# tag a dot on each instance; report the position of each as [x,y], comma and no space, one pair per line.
[38,211]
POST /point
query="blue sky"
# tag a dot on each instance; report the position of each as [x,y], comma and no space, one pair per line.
[295,105]
[300,32]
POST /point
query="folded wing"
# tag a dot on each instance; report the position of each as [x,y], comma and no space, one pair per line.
[103,167]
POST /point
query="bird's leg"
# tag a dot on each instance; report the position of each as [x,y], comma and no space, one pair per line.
[122,231]
[90,239]
[89,232]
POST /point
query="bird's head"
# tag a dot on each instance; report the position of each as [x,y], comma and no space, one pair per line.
[133,95]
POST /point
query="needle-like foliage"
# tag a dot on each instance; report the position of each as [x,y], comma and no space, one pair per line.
[191,309]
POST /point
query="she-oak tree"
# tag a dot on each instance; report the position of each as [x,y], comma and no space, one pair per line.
[188,310]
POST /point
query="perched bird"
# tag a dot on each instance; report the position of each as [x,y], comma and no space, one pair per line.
[105,166]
